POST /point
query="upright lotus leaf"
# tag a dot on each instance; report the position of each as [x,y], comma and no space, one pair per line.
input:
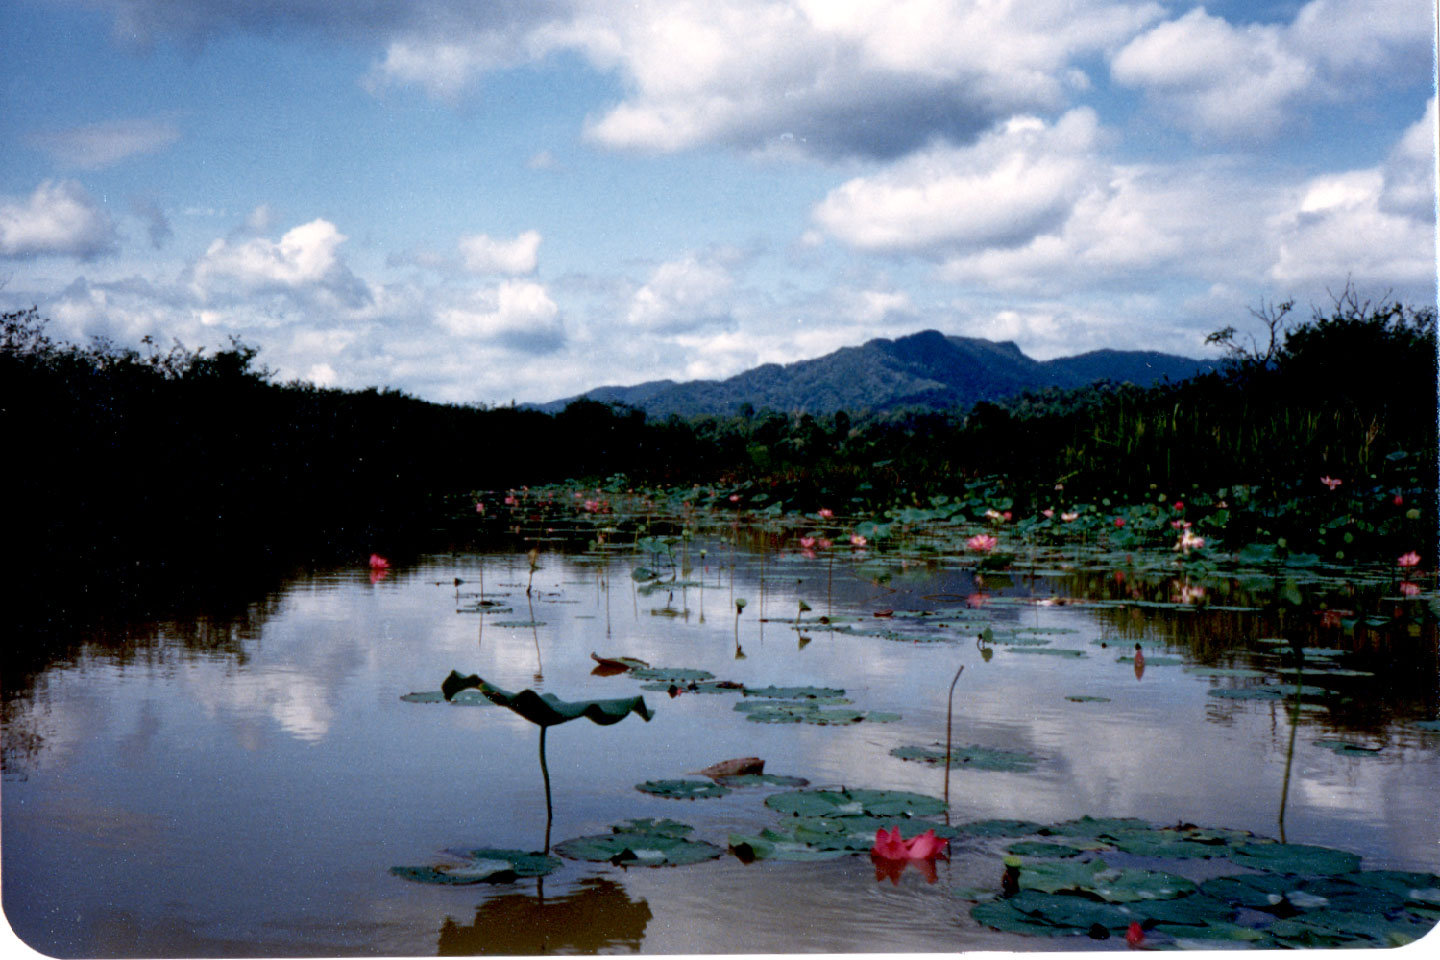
[546,709]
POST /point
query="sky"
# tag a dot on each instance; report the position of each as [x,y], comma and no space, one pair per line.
[497,202]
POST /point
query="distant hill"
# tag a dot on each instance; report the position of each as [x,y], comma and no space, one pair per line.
[927,369]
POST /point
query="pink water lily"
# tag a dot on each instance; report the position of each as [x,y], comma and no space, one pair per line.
[1408,589]
[922,847]
[1411,559]
[807,543]
[857,541]
[981,543]
[825,513]
[1068,517]
[1330,482]
[1188,541]
[823,543]
[378,562]
[1047,514]
[1119,521]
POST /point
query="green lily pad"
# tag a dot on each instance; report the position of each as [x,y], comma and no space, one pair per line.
[1347,749]
[682,789]
[694,686]
[1000,828]
[1051,876]
[465,698]
[1051,651]
[1265,693]
[1179,842]
[971,756]
[1295,858]
[1088,826]
[1086,698]
[663,827]
[842,801]
[734,780]
[669,675]
[1039,848]
[1258,891]
[1432,726]
[1129,884]
[748,848]
[1154,661]
[1244,672]
[1010,640]
[638,849]
[795,693]
[482,866]
[1036,913]
[855,833]
[517,624]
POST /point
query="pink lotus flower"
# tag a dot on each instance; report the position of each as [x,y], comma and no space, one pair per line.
[976,600]
[1411,559]
[479,507]
[1134,936]
[981,543]
[734,498]
[1330,482]
[378,562]
[1399,500]
[823,543]
[1069,517]
[1188,542]
[510,500]
[994,516]
[1178,506]
[1119,521]
[807,543]
[1408,589]
[826,513]
[926,846]
[857,541]
[1047,514]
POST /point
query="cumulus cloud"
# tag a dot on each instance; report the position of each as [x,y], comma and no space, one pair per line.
[1010,186]
[99,145]
[1232,83]
[58,219]
[518,314]
[157,225]
[483,254]
[304,263]
[681,296]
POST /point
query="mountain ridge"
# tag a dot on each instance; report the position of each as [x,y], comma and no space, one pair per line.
[925,369]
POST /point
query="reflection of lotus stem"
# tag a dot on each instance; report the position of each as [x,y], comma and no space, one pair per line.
[545,772]
[949,712]
[1294,726]
[535,634]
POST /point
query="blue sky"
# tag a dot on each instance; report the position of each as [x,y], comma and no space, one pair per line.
[495,202]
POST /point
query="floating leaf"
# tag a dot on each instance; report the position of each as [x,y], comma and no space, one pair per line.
[1154,661]
[671,675]
[1036,913]
[663,827]
[1347,749]
[618,663]
[517,624]
[1051,651]
[638,849]
[729,768]
[972,756]
[1295,858]
[794,693]
[1086,698]
[734,780]
[839,802]
[749,848]
[1000,828]
[682,789]
[1038,848]
[482,866]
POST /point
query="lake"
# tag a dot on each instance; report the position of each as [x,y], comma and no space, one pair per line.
[240,779]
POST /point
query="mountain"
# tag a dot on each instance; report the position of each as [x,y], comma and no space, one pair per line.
[926,369]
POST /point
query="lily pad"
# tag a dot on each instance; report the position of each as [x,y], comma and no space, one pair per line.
[517,624]
[1154,661]
[749,848]
[1433,726]
[1295,858]
[1051,651]
[1244,672]
[1265,693]
[1347,749]
[682,789]
[1000,828]
[1086,698]
[671,675]
[1036,913]
[1180,842]
[482,866]
[734,780]
[1039,848]
[843,801]
[664,827]
[795,693]
[971,756]
[638,849]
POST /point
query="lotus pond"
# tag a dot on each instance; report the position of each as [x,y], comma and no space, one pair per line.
[361,760]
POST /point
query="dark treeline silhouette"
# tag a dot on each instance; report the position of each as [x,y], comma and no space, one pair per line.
[122,460]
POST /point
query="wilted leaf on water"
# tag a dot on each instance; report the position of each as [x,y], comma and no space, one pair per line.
[546,709]
[971,756]
[682,789]
[618,663]
[727,768]
[839,802]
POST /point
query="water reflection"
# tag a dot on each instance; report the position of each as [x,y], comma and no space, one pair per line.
[596,917]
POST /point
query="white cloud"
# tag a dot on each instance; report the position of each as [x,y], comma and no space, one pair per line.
[100,145]
[483,254]
[1014,183]
[58,219]
[682,295]
[303,264]
[518,314]
[1234,83]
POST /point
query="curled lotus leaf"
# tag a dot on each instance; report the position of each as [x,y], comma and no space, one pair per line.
[1295,858]
[971,756]
[843,801]
[638,849]
[546,709]
[682,789]
[671,675]
[618,663]
[482,866]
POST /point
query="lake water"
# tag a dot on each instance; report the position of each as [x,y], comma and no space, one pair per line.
[239,782]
